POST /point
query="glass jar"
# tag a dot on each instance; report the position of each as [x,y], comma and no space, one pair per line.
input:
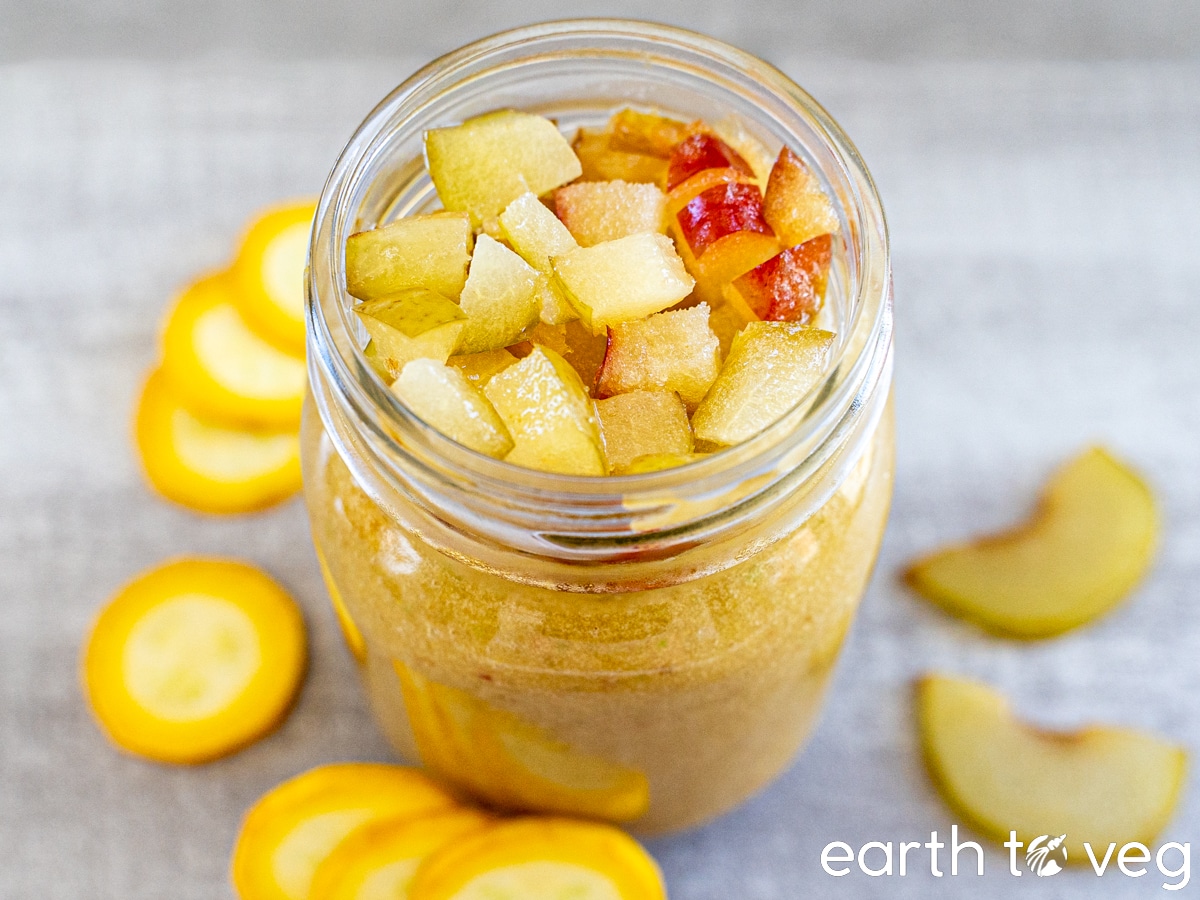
[649,649]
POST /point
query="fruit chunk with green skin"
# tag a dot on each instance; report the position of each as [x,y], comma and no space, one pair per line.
[789,287]
[412,324]
[1089,542]
[671,351]
[480,367]
[484,164]
[625,279]
[1099,785]
[500,298]
[549,415]
[771,366]
[443,398]
[643,423]
[537,234]
[796,205]
[430,251]
[599,211]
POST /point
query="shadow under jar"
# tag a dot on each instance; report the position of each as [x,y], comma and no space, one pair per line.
[649,649]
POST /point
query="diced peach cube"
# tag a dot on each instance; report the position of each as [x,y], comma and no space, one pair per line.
[789,287]
[478,368]
[703,151]
[672,351]
[500,298]
[648,133]
[796,205]
[549,415]
[721,211]
[771,367]
[643,423]
[599,211]
[601,163]
[444,399]
[733,132]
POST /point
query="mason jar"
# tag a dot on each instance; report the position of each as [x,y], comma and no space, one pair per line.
[649,649]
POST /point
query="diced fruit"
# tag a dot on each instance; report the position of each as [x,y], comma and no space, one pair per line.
[1100,785]
[212,468]
[656,462]
[480,367]
[222,369]
[443,398]
[670,351]
[602,163]
[541,859]
[553,306]
[789,287]
[194,660]
[647,133]
[549,415]
[731,130]
[430,251]
[771,367]
[729,317]
[412,324]
[599,211]
[734,255]
[500,298]
[1090,541]
[535,232]
[351,633]
[623,279]
[642,423]
[719,212]
[294,828]
[486,163]
[269,271]
[702,151]
[706,179]
[575,343]
[795,205]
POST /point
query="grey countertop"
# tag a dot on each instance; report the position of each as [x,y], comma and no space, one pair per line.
[1043,207]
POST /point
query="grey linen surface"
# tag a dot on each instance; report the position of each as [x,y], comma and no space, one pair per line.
[1045,248]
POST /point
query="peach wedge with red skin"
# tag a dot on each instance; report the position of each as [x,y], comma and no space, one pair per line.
[795,204]
[789,287]
[1090,541]
[703,151]
[1098,785]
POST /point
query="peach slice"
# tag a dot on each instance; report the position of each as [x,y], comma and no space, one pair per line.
[771,367]
[430,251]
[549,414]
[706,179]
[702,151]
[671,351]
[795,204]
[1090,541]
[647,133]
[500,298]
[537,235]
[721,211]
[789,287]
[624,279]
[412,324]
[602,163]
[484,164]
[478,368]
[1098,785]
[641,424]
[599,211]
[442,397]
[269,272]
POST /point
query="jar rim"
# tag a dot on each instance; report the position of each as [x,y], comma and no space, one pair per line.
[592,508]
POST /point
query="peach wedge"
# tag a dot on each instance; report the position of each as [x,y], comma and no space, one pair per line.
[1098,785]
[1090,541]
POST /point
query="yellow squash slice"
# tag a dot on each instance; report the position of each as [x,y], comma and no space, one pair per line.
[194,660]
[223,369]
[540,859]
[207,467]
[288,834]
[1097,785]
[377,861]
[269,271]
[1088,544]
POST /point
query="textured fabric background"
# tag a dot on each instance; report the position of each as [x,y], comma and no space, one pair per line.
[1044,229]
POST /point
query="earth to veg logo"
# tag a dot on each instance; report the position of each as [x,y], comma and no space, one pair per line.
[1046,855]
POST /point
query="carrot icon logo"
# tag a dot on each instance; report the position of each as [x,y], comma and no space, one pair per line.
[1046,855]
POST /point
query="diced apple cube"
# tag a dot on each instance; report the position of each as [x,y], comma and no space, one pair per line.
[412,324]
[643,423]
[599,211]
[671,351]
[656,462]
[796,206]
[430,251]
[482,165]
[771,367]
[703,151]
[648,133]
[443,397]
[478,368]
[624,279]
[602,163]
[549,414]
[500,298]
[789,287]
